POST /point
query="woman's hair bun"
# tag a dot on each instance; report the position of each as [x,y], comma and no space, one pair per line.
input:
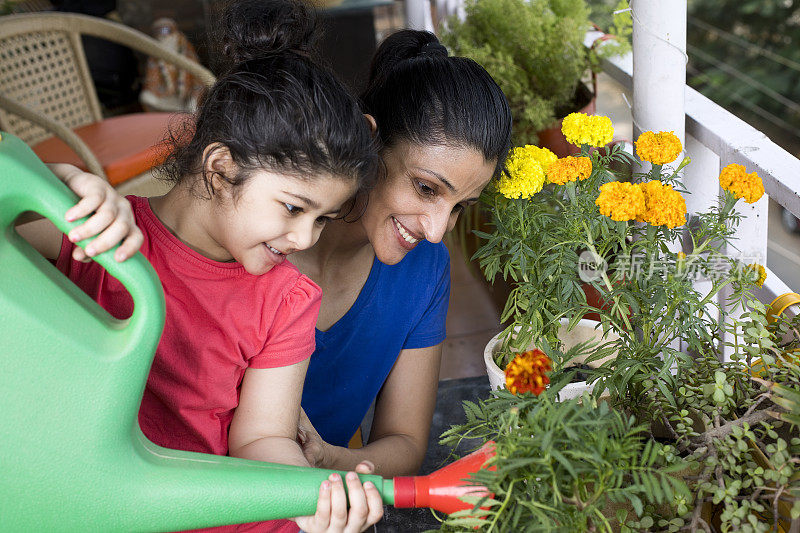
[255,29]
[401,46]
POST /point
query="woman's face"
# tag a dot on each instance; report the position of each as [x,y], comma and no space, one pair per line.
[425,189]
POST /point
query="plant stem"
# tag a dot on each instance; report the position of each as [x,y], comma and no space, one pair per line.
[607,282]
[503,506]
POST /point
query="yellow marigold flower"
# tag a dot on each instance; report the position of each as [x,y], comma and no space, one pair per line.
[594,130]
[735,179]
[760,271]
[663,206]
[569,168]
[620,200]
[526,372]
[658,148]
[526,174]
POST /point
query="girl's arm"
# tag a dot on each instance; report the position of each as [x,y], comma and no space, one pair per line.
[264,428]
[403,412]
[112,220]
[264,424]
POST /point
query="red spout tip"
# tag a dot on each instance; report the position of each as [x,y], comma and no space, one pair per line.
[442,490]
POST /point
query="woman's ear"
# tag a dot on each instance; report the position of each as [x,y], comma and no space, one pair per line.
[218,166]
[373,126]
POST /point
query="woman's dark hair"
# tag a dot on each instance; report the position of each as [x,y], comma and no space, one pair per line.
[417,93]
[274,106]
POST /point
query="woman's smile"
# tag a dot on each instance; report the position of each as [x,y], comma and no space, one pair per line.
[407,238]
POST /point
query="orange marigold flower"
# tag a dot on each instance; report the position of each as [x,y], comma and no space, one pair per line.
[663,206]
[526,372]
[735,179]
[620,200]
[569,168]
[658,148]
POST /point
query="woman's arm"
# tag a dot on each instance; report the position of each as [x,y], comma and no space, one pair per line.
[111,219]
[403,413]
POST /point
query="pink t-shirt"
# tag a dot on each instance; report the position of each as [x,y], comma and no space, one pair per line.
[220,320]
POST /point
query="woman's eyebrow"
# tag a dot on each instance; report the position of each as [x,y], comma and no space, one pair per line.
[439,177]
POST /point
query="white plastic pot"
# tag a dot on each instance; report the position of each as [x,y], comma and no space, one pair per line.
[583,331]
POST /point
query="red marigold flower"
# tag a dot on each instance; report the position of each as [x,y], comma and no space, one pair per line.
[526,372]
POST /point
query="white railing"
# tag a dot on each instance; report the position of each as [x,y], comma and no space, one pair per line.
[715,138]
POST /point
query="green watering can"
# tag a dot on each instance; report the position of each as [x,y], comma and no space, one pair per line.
[72,456]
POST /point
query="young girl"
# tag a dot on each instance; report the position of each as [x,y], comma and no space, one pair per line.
[277,148]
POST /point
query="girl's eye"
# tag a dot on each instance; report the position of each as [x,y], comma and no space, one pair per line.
[293,209]
[321,221]
[425,189]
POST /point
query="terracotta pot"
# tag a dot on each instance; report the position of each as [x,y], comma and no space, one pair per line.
[583,331]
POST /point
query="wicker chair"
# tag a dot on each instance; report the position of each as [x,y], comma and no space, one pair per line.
[47,97]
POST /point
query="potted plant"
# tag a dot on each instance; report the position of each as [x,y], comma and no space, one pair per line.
[535,51]
[674,436]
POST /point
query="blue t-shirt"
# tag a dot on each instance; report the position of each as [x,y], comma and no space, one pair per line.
[402,306]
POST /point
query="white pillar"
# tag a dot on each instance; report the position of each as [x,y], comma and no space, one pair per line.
[659,73]
[659,66]
[418,15]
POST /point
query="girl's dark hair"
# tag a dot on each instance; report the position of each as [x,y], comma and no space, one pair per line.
[274,106]
[417,93]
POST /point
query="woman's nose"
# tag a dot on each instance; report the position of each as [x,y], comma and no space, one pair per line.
[435,224]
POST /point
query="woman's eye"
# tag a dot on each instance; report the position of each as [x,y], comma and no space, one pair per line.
[293,209]
[425,189]
[321,221]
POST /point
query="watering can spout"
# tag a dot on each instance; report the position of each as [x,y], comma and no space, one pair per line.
[442,490]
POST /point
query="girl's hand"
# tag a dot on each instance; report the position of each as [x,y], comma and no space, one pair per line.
[332,516]
[111,217]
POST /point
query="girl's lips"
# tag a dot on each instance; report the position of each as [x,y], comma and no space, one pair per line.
[272,256]
[406,239]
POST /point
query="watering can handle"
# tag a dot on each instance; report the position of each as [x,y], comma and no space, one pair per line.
[26,184]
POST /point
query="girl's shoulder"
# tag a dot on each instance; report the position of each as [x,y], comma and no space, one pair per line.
[294,284]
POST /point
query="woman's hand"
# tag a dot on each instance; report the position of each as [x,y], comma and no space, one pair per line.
[332,516]
[310,442]
[111,219]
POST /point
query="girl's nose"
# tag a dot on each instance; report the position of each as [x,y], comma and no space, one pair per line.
[303,237]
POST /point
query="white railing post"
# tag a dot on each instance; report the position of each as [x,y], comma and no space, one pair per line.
[700,179]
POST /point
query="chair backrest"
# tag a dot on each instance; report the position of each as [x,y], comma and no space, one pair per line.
[43,67]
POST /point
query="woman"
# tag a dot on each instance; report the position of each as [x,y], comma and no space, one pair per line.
[444,128]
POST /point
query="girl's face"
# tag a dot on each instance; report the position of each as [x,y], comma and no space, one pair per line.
[425,189]
[275,215]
